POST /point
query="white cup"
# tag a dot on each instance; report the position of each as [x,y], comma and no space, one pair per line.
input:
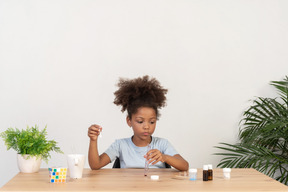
[75,165]
[193,174]
[226,173]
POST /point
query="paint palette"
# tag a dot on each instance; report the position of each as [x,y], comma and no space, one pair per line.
[57,174]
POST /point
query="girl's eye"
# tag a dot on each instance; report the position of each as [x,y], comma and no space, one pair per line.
[140,122]
[152,122]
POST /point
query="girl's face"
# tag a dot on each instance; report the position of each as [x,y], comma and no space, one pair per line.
[143,123]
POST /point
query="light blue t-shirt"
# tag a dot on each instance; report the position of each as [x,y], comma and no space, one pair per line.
[132,156]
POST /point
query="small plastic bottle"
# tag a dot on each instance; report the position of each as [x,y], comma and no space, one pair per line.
[192,174]
[210,172]
[226,173]
[205,172]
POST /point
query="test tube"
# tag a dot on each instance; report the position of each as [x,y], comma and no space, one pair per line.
[146,162]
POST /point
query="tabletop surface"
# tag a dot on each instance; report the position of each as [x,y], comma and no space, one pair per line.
[134,180]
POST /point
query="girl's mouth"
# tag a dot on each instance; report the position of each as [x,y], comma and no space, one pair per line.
[146,134]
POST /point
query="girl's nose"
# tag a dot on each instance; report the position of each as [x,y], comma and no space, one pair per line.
[146,126]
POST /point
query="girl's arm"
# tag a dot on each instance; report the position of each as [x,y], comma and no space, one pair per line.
[96,161]
[176,161]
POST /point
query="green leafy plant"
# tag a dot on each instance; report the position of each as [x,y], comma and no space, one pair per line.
[30,141]
[263,137]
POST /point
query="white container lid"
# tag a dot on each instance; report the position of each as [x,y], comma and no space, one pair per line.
[205,167]
[210,166]
[154,177]
[193,170]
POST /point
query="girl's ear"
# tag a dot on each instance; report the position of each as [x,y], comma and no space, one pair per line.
[128,120]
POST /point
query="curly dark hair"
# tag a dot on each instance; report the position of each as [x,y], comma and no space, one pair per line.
[140,92]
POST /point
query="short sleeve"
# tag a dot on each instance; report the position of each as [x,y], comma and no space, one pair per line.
[168,149]
[113,151]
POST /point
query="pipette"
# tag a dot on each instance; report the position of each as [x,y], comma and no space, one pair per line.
[147,162]
[100,134]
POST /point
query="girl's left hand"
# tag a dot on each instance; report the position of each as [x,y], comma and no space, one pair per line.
[154,156]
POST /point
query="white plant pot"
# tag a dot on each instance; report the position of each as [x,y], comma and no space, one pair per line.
[28,165]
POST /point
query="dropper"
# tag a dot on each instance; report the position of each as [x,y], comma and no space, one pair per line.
[147,162]
[100,134]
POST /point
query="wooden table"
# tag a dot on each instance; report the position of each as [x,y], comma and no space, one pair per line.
[134,180]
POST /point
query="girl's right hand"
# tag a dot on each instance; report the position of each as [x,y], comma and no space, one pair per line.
[94,132]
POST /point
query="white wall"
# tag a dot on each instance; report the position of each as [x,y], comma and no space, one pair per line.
[60,61]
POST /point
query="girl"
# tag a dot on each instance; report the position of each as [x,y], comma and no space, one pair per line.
[142,98]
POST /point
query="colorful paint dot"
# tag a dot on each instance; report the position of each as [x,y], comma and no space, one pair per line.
[57,175]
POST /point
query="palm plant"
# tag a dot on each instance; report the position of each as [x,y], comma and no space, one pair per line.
[263,137]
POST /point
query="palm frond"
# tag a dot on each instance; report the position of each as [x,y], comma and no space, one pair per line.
[282,88]
[247,156]
[263,136]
